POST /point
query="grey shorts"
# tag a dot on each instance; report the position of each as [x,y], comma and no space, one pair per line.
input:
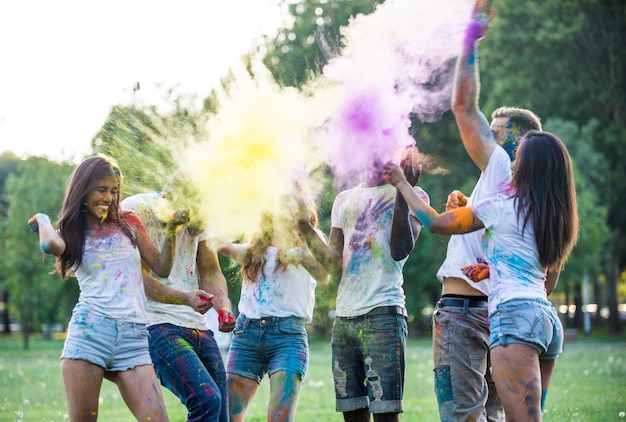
[112,344]
[463,384]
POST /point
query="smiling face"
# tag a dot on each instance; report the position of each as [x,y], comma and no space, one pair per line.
[98,202]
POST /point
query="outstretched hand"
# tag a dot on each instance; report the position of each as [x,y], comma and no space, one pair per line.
[482,20]
[226,320]
[476,272]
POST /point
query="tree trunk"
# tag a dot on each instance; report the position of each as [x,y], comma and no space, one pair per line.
[615,326]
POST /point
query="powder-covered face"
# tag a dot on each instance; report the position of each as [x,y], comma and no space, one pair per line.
[99,201]
[506,135]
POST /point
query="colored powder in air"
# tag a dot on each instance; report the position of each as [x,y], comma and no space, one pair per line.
[259,149]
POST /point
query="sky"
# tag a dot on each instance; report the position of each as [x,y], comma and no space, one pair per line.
[65,63]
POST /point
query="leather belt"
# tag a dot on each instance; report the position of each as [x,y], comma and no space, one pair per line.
[385,310]
[461,303]
[382,310]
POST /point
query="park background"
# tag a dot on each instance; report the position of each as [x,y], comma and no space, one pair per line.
[565,60]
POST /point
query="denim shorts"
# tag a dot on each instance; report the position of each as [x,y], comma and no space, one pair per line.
[112,344]
[368,362]
[268,345]
[533,322]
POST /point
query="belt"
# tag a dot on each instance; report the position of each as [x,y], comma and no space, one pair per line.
[461,303]
[382,310]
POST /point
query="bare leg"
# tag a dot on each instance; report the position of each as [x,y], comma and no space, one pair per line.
[547,369]
[241,390]
[82,381]
[285,390]
[518,380]
[359,415]
[141,392]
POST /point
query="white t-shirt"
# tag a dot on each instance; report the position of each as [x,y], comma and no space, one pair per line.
[513,258]
[371,277]
[466,249]
[289,293]
[110,279]
[183,276]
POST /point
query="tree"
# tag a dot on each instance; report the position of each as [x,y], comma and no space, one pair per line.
[36,296]
[8,164]
[567,59]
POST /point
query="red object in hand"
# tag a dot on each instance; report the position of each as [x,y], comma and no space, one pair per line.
[226,320]
[204,299]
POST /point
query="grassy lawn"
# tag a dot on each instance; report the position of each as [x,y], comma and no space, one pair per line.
[589,385]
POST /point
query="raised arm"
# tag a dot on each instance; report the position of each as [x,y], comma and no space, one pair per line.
[328,255]
[472,123]
[212,280]
[456,221]
[50,241]
[160,261]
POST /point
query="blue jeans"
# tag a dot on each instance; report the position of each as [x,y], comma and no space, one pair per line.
[267,345]
[188,362]
[368,362]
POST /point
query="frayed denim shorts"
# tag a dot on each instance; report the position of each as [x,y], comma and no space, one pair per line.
[112,344]
[267,345]
[533,322]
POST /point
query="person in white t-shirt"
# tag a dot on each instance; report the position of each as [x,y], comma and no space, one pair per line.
[529,233]
[372,235]
[185,354]
[277,299]
[463,384]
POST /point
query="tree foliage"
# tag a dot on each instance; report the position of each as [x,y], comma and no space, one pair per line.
[36,296]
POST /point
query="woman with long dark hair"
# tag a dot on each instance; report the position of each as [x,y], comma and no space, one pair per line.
[104,249]
[529,233]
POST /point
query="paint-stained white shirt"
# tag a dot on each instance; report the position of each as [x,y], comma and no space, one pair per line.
[513,258]
[466,249]
[110,279]
[371,277]
[289,293]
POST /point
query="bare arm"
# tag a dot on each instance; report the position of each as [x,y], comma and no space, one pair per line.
[158,291]
[160,261]
[456,221]
[472,123]
[405,229]
[212,280]
[328,255]
[552,280]
[50,240]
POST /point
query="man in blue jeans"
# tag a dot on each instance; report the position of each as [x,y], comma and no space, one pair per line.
[186,357]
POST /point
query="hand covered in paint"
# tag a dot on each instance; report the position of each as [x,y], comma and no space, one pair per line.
[476,272]
[179,218]
[295,255]
[482,20]
[456,199]
[226,320]
[33,222]
[393,174]
[409,165]
[200,301]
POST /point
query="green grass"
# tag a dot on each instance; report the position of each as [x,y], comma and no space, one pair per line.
[589,385]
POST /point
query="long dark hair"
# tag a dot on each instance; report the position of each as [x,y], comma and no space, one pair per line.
[73,221]
[545,192]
